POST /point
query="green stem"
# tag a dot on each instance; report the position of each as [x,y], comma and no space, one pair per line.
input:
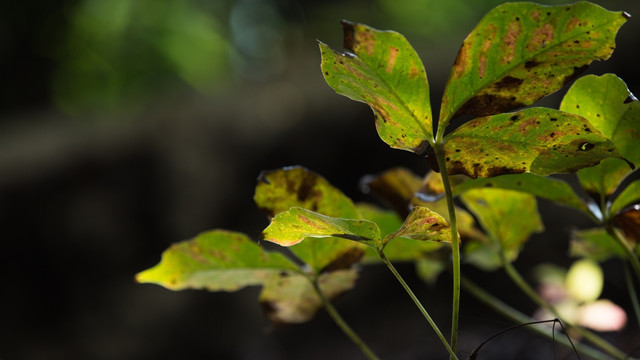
[413,297]
[628,250]
[519,318]
[455,242]
[632,292]
[343,324]
[527,289]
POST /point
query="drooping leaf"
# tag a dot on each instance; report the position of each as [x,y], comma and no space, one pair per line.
[520,52]
[424,225]
[628,196]
[218,260]
[611,108]
[281,189]
[296,224]
[538,140]
[509,218]
[381,69]
[291,299]
[594,244]
[544,187]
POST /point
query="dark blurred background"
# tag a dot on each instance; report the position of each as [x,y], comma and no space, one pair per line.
[127,125]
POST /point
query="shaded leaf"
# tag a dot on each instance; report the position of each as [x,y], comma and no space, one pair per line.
[381,69]
[291,299]
[429,267]
[539,140]
[629,221]
[508,217]
[218,260]
[544,187]
[628,196]
[605,102]
[594,244]
[424,225]
[281,189]
[520,52]
[296,224]
[396,187]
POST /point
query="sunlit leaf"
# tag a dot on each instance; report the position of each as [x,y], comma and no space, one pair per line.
[424,225]
[291,299]
[296,224]
[539,140]
[544,187]
[611,108]
[381,69]
[629,195]
[520,52]
[281,189]
[594,244]
[509,218]
[218,260]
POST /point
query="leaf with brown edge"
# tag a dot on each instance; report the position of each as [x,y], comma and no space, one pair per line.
[217,260]
[291,298]
[381,69]
[424,225]
[521,52]
[281,189]
[538,140]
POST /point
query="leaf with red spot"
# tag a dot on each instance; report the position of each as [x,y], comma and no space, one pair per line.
[538,140]
[381,69]
[424,225]
[611,108]
[521,52]
[217,260]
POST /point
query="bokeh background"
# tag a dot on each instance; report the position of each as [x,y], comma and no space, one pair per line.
[127,125]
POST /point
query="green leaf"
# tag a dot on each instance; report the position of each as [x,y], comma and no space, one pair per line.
[281,189]
[291,299]
[520,52]
[629,195]
[381,69]
[218,260]
[611,108]
[509,218]
[296,224]
[544,187]
[594,244]
[424,225]
[539,140]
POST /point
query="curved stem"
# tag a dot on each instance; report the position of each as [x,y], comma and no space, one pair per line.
[413,297]
[529,291]
[519,318]
[455,242]
[343,324]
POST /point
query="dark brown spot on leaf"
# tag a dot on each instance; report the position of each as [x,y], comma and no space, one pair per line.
[586,146]
[577,71]
[349,34]
[345,260]
[508,82]
[531,64]
[488,104]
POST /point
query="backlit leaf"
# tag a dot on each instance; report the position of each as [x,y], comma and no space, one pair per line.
[594,244]
[611,108]
[381,69]
[544,187]
[296,224]
[520,52]
[629,221]
[629,195]
[423,224]
[538,140]
[218,260]
[291,299]
[509,218]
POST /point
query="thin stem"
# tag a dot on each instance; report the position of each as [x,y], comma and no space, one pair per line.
[631,256]
[527,289]
[632,292]
[343,324]
[413,297]
[455,243]
[519,318]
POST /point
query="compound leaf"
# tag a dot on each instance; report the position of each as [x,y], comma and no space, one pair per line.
[381,69]
[218,260]
[291,298]
[539,140]
[520,52]
[611,108]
